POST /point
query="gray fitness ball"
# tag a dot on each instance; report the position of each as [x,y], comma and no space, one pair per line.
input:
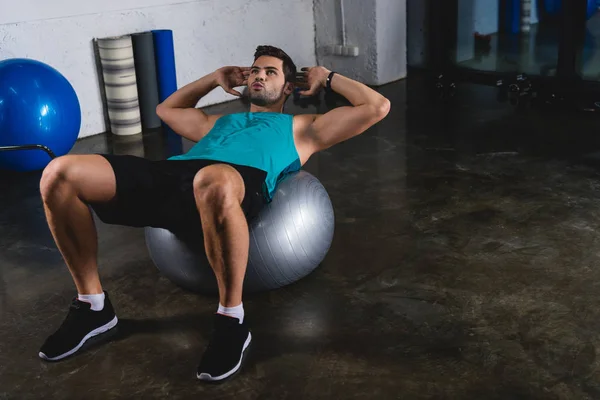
[288,240]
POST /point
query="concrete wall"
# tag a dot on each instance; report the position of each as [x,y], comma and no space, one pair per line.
[360,31]
[377,27]
[208,34]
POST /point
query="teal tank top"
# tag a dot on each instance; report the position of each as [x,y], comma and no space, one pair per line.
[263,140]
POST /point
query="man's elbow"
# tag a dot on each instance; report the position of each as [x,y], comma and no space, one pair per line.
[382,109]
[162,111]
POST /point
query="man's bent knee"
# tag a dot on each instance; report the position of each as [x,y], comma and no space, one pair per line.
[90,177]
[219,186]
[55,174]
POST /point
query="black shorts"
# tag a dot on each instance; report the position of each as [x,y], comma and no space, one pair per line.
[160,193]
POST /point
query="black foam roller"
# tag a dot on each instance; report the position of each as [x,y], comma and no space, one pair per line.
[147,82]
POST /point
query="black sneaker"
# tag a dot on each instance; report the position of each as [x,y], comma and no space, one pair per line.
[81,324]
[225,352]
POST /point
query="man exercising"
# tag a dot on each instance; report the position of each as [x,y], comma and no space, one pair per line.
[215,189]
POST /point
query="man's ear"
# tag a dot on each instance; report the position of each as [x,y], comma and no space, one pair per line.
[289,88]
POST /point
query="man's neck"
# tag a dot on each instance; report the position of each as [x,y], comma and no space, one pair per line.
[275,109]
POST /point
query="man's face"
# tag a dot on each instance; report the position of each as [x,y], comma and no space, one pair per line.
[266,83]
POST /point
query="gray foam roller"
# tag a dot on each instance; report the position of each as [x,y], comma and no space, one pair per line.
[147,83]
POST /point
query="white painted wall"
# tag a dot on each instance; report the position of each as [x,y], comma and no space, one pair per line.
[377,27]
[207,34]
[32,10]
[360,22]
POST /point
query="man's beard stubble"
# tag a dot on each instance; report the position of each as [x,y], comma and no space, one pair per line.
[263,98]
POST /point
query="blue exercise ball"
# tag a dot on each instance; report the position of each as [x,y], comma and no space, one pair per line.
[38,106]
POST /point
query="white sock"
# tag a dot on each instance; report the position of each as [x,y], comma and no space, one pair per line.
[96,300]
[235,312]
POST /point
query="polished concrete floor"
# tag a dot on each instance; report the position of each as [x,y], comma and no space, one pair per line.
[463,266]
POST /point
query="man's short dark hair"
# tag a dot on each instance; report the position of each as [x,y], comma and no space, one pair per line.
[289,68]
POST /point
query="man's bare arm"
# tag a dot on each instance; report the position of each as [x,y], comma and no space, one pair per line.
[179,110]
[342,123]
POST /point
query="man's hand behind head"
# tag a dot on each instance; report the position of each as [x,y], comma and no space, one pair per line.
[312,80]
[230,77]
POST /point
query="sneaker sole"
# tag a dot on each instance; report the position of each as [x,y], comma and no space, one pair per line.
[207,377]
[95,332]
